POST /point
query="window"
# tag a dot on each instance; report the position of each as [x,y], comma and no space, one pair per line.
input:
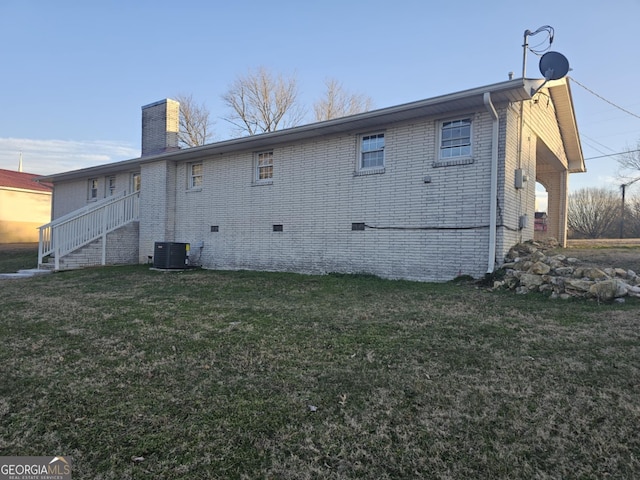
[264,166]
[110,186]
[455,139]
[93,189]
[371,151]
[135,182]
[195,175]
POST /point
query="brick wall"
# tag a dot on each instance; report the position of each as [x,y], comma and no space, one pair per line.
[425,221]
[160,124]
[534,145]
[316,197]
[122,249]
[157,206]
[518,152]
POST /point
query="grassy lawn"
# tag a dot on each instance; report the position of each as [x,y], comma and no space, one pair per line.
[18,256]
[146,375]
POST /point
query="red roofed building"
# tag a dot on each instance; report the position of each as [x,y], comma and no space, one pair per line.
[24,205]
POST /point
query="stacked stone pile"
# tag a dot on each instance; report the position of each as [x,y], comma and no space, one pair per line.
[528,268]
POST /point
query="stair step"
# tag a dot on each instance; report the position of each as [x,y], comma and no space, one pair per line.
[34,271]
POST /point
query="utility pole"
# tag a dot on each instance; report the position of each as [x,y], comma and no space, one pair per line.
[525,46]
[624,188]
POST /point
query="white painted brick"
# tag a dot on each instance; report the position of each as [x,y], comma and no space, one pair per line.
[122,249]
[316,197]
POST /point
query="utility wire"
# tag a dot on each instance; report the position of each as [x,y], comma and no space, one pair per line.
[588,142]
[604,99]
[583,135]
[614,154]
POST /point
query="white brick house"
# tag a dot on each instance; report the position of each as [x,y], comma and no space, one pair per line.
[425,191]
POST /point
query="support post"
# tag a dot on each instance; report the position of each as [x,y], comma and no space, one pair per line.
[56,247]
[104,236]
[40,247]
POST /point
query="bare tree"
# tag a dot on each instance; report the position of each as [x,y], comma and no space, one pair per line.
[195,123]
[263,102]
[593,212]
[629,162]
[338,102]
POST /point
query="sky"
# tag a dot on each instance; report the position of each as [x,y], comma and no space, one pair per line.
[75,73]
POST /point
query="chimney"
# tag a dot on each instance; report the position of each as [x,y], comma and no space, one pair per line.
[160,123]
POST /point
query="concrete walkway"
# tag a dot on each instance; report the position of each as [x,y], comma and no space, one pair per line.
[27,273]
[21,248]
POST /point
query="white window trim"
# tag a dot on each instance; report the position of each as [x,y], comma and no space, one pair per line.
[256,168]
[360,169]
[109,187]
[191,177]
[135,175]
[457,160]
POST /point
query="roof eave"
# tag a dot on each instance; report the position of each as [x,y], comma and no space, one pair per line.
[560,92]
[26,190]
[510,91]
[467,100]
[124,165]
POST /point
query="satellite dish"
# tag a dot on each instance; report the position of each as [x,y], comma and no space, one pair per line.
[553,66]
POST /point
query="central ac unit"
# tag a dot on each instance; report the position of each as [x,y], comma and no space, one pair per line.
[171,255]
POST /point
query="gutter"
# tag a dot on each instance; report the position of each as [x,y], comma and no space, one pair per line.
[493,198]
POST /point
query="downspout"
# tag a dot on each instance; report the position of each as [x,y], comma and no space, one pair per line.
[493,198]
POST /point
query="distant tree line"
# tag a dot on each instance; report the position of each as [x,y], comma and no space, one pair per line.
[608,213]
[598,213]
[261,101]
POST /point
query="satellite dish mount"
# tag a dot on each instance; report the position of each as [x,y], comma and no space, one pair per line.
[553,65]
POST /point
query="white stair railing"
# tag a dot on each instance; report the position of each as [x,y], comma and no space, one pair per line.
[83,226]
